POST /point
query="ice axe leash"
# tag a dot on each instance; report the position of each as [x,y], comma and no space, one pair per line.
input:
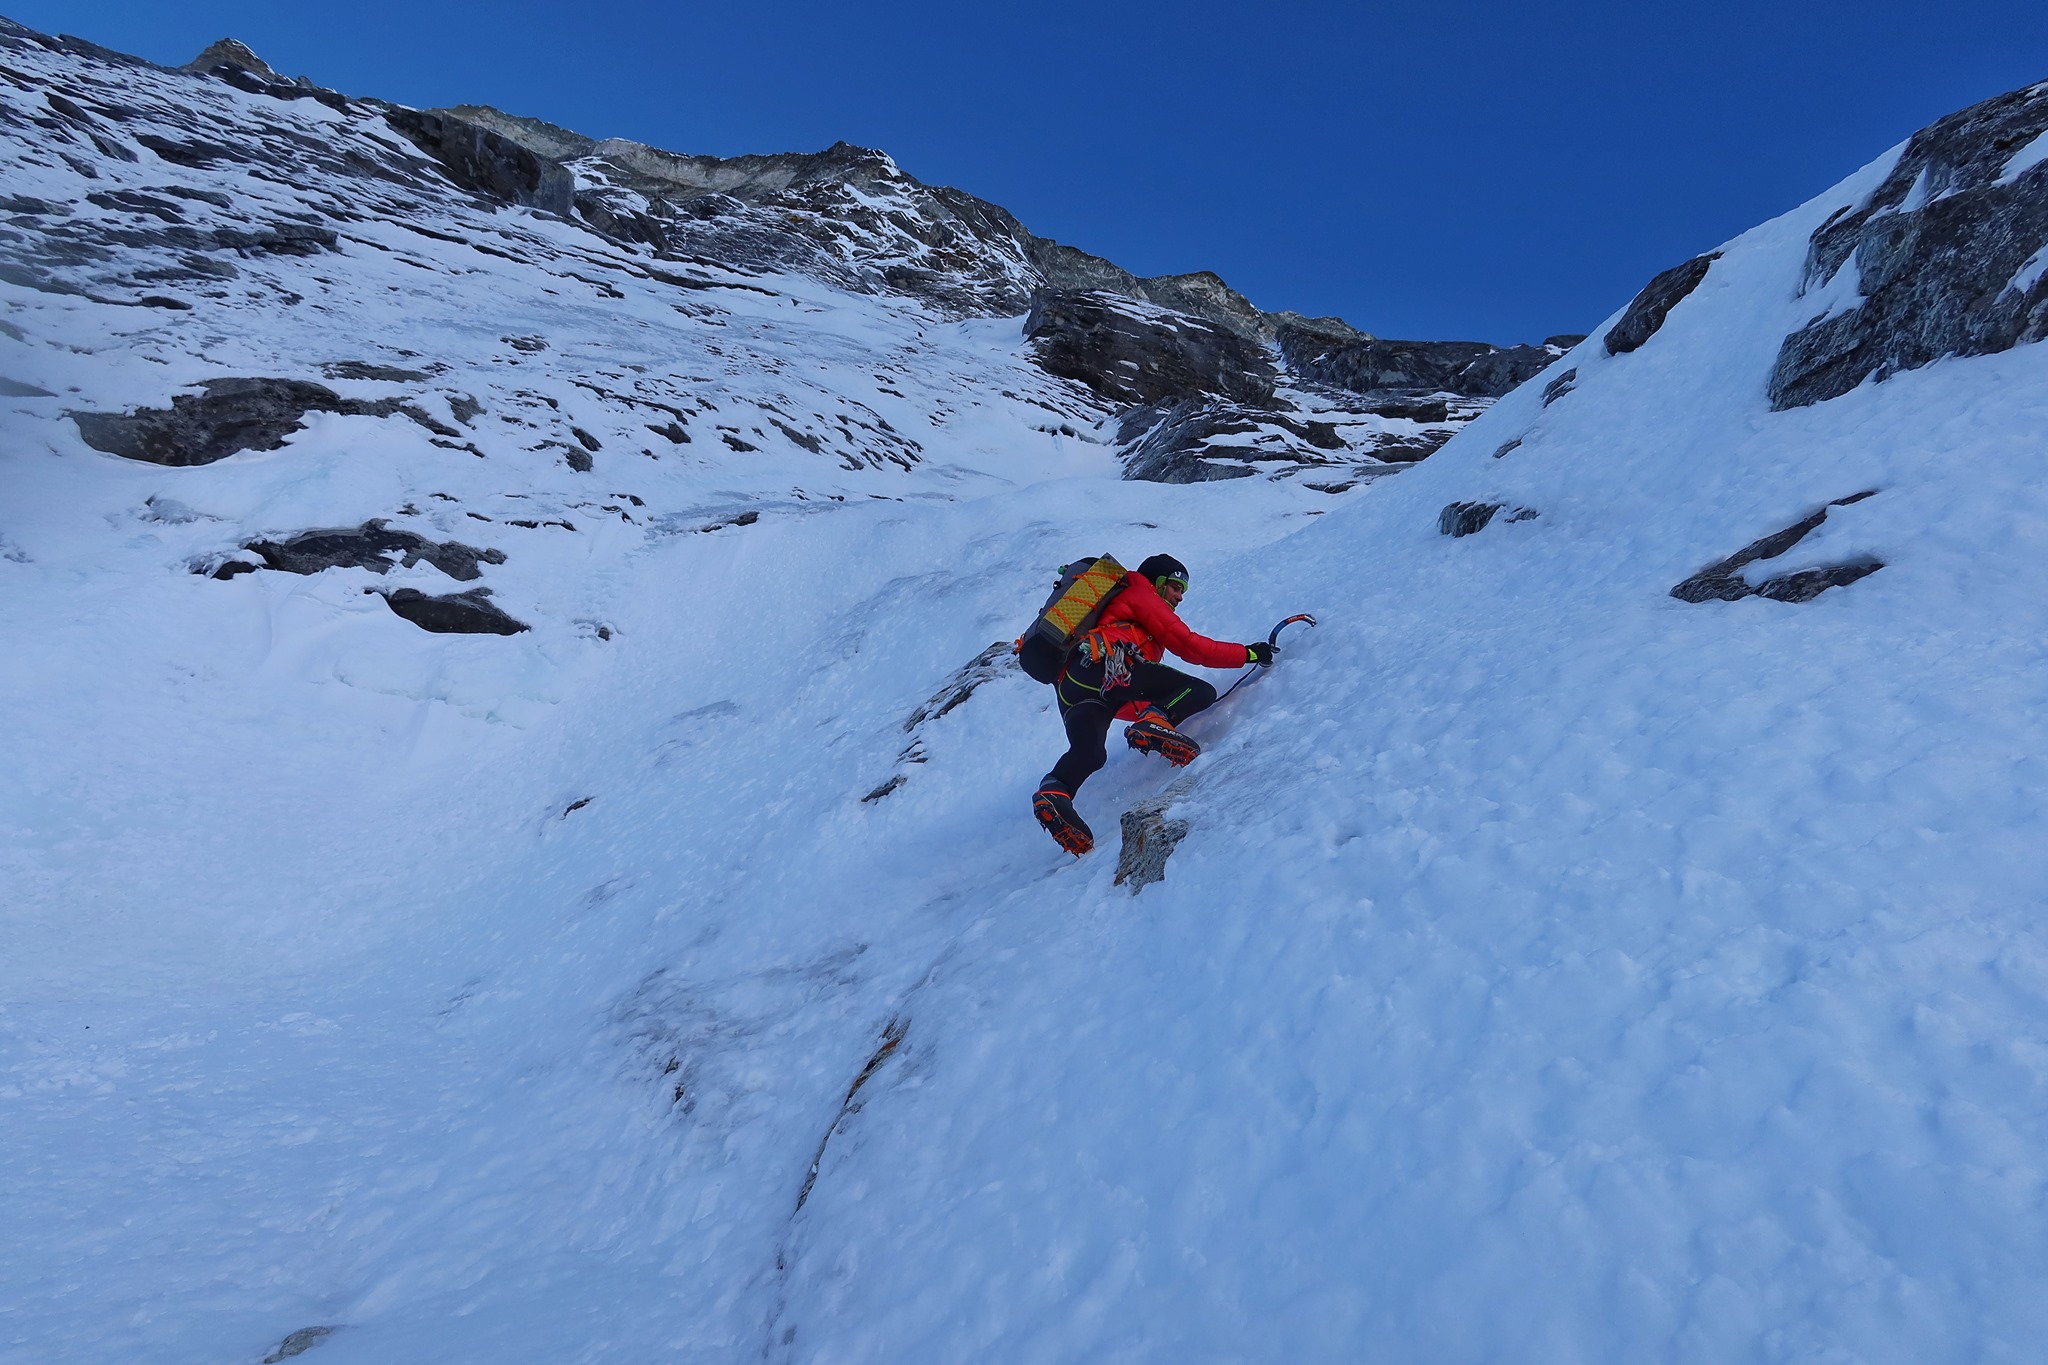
[1272,639]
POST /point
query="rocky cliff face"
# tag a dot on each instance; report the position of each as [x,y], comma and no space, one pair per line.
[1947,257]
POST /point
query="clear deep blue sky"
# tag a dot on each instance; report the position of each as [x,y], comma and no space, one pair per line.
[1492,171]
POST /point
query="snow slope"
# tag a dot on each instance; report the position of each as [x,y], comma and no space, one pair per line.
[1553,970]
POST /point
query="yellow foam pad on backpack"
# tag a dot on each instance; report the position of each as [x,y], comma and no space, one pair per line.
[1087,592]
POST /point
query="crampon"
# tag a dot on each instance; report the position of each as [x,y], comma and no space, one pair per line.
[1152,733]
[1054,809]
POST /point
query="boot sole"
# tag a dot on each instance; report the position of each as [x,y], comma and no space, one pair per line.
[1175,749]
[1074,838]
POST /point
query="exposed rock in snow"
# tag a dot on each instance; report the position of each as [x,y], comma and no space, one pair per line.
[385,374]
[1647,311]
[1941,251]
[303,1340]
[1182,442]
[996,661]
[1149,839]
[459,613]
[229,416]
[1725,580]
[372,546]
[993,662]
[1132,353]
[1470,518]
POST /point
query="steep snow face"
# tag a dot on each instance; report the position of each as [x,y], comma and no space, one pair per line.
[1552,968]
[334,888]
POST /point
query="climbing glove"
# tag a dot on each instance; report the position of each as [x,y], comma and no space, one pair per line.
[1260,653]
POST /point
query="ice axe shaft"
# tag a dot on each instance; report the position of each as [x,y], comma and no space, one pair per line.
[1273,639]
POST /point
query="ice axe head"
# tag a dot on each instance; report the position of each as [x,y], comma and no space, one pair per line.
[1274,638]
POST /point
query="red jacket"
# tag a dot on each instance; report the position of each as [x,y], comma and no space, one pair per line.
[1141,616]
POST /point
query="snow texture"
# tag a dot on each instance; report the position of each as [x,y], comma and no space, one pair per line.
[1550,970]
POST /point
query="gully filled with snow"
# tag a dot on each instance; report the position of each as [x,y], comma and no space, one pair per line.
[1554,967]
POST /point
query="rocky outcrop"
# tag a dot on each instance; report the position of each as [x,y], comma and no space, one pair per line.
[1724,580]
[1131,353]
[1202,440]
[1203,294]
[303,1340]
[1471,369]
[1470,518]
[229,416]
[374,546]
[1173,443]
[1149,839]
[996,661]
[1647,311]
[231,60]
[461,613]
[235,55]
[1950,254]
[486,162]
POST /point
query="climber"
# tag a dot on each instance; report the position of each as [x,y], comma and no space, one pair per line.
[1114,673]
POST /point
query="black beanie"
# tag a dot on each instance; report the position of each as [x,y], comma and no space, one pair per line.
[1162,566]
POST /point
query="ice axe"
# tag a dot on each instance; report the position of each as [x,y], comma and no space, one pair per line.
[1272,639]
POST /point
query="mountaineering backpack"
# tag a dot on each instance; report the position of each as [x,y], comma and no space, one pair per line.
[1085,587]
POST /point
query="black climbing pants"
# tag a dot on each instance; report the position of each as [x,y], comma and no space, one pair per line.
[1088,708]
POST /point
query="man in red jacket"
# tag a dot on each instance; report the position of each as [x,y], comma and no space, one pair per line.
[1115,673]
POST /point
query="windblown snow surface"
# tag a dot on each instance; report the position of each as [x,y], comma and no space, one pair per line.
[1554,970]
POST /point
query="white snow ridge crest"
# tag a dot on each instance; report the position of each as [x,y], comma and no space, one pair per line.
[519,845]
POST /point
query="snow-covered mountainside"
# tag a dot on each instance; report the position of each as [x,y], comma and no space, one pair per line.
[519,849]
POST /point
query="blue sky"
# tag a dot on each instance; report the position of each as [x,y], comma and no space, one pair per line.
[1492,171]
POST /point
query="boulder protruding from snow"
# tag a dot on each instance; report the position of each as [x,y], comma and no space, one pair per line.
[460,613]
[1950,254]
[1647,311]
[1149,839]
